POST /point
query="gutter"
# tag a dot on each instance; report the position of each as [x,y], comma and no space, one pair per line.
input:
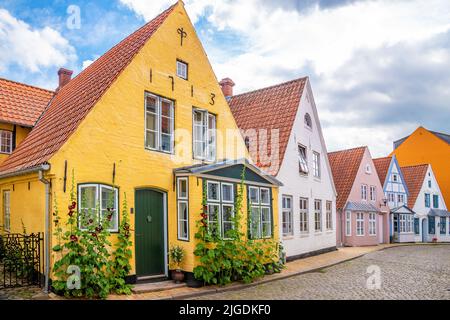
[42,167]
[47,229]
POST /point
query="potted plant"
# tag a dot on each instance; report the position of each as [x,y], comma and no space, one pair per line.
[176,254]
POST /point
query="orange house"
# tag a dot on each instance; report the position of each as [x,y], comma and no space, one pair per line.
[424,146]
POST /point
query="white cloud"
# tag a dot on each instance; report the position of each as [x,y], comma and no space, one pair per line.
[29,48]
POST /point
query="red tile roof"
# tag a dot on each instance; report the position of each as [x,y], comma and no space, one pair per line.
[22,104]
[76,99]
[344,166]
[414,177]
[382,165]
[269,108]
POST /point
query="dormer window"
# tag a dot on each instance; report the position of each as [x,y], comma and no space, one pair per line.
[182,70]
[308,121]
[6,140]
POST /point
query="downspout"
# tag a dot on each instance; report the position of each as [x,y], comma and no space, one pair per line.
[47,229]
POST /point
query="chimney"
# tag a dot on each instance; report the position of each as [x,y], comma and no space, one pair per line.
[65,76]
[227,87]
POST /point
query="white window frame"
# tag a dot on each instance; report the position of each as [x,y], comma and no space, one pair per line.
[221,204]
[400,198]
[307,118]
[372,224]
[316,164]
[318,213]
[348,223]
[303,160]
[158,129]
[182,66]
[208,141]
[182,200]
[364,192]
[7,210]
[287,216]
[373,193]
[360,224]
[329,215]
[260,206]
[98,201]
[304,215]
[6,135]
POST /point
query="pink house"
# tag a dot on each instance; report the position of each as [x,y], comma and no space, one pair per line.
[362,214]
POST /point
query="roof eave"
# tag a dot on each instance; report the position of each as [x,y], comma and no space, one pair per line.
[35,169]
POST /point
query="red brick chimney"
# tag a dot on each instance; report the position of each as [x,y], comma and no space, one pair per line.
[227,87]
[65,76]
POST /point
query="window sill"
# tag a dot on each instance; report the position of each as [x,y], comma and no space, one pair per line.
[160,151]
[7,153]
[304,235]
[318,233]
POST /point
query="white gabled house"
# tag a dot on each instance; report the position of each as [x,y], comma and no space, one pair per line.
[401,218]
[282,131]
[431,219]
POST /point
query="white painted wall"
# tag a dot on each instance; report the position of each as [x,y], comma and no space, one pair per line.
[422,211]
[297,185]
[395,187]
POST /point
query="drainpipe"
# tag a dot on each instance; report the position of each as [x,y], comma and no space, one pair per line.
[47,229]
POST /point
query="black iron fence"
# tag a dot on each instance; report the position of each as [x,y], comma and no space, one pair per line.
[21,260]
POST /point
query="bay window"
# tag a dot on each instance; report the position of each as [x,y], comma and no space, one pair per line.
[159,123]
[204,136]
[97,202]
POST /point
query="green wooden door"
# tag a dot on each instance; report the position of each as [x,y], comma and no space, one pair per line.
[150,238]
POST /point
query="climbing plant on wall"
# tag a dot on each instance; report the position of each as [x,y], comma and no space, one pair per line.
[233,256]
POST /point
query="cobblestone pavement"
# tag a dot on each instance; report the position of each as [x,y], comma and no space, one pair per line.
[410,272]
[25,293]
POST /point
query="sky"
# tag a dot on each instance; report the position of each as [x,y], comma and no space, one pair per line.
[378,68]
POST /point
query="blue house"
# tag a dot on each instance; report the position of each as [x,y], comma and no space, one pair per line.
[396,198]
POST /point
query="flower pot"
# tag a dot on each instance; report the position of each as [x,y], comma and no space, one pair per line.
[177,276]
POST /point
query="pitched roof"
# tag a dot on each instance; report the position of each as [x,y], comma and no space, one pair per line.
[269,108]
[443,136]
[76,99]
[22,104]
[414,177]
[382,166]
[344,166]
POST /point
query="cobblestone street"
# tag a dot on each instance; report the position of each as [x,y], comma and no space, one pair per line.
[410,272]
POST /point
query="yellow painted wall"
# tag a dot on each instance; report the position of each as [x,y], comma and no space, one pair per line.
[424,147]
[113,132]
[27,203]
[21,133]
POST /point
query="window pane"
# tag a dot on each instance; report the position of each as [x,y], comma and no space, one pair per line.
[213,215]
[227,218]
[265,196]
[255,222]
[151,121]
[166,108]
[227,192]
[88,197]
[182,188]
[166,125]
[182,220]
[151,103]
[254,195]
[213,191]
[166,142]
[151,139]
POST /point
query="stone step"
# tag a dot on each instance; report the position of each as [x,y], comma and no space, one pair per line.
[157,286]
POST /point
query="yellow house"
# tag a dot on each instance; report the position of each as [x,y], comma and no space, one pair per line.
[147,119]
[427,147]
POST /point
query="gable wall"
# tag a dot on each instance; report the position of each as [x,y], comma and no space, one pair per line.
[297,185]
